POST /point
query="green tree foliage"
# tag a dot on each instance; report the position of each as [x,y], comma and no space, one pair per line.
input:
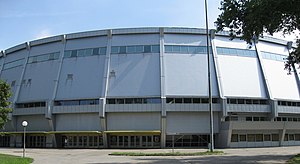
[249,18]
[5,94]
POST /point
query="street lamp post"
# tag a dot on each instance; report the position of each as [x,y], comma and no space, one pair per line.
[24,124]
[211,146]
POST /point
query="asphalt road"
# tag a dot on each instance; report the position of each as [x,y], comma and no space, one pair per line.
[95,156]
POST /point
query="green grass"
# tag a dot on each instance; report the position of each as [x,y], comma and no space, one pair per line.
[166,154]
[11,159]
[294,160]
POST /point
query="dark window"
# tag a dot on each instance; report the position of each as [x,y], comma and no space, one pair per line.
[215,100]
[129,101]
[74,53]
[267,137]
[196,100]
[232,101]
[248,118]
[122,50]
[95,51]
[241,101]
[147,49]
[120,101]
[204,101]
[234,138]
[243,138]
[178,100]
[111,101]
[187,100]
[275,137]
[170,101]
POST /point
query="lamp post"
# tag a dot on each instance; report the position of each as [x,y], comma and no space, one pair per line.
[211,146]
[24,124]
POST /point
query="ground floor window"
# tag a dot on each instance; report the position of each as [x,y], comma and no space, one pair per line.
[254,137]
[35,141]
[4,141]
[292,137]
[134,141]
[187,140]
[82,141]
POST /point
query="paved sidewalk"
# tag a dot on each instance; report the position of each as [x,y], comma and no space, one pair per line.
[95,156]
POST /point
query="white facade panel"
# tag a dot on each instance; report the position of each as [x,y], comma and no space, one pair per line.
[190,122]
[46,48]
[186,75]
[135,39]
[133,121]
[39,81]
[273,48]
[282,85]
[81,77]
[16,56]
[241,77]
[185,39]
[221,41]
[83,43]
[80,122]
[135,75]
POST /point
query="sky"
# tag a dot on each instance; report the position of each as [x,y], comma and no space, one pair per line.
[26,20]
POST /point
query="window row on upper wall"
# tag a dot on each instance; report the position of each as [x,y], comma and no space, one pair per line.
[135,49]
[247,101]
[236,52]
[31,105]
[13,64]
[191,100]
[186,49]
[85,52]
[273,56]
[288,103]
[44,57]
[133,101]
[76,102]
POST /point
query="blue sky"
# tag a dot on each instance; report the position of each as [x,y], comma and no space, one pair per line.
[26,20]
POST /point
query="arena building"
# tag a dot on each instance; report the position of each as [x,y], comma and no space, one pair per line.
[148,88]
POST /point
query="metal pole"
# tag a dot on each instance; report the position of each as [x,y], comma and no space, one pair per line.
[209,84]
[24,142]
[173,144]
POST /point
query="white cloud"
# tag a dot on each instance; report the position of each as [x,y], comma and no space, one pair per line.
[43,34]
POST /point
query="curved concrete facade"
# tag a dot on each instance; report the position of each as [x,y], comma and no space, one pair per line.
[148,87]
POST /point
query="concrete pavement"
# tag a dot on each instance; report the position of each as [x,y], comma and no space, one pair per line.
[95,156]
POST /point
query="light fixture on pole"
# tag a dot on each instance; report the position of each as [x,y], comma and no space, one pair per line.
[211,145]
[24,124]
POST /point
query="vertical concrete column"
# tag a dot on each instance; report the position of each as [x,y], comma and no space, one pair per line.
[162,89]
[102,102]
[274,112]
[282,134]
[218,73]
[50,103]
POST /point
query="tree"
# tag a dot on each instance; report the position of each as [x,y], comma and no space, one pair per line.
[249,18]
[5,94]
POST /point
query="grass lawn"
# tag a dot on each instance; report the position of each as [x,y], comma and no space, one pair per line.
[166,154]
[294,160]
[9,159]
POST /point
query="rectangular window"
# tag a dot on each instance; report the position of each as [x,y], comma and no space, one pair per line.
[178,100]
[168,49]
[155,49]
[248,118]
[140,49]
[95,51]
[111,101]
[170,101]
[297,137]
[122,50]
[131,49]
[251,137]
[275,137]
[196,100]
[88,52]
[120,101]
[81,53]
[74,53]
[243,138]
[67,54]
[267,137]
[187,100]
[147,49]
[103,51]
[234,138]
[115,50]
[259,138]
